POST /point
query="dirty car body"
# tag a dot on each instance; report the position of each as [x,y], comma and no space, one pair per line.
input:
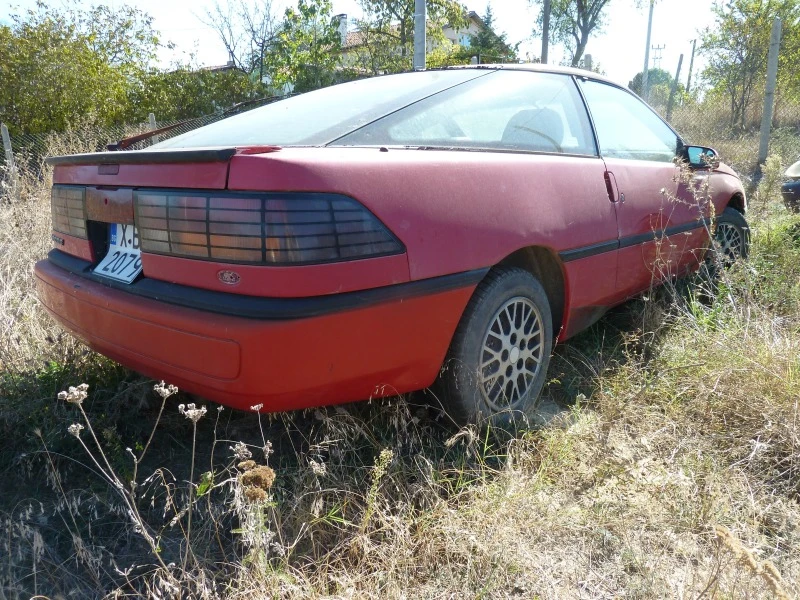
[327,248]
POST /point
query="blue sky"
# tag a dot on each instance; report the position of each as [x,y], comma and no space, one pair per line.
[619,50]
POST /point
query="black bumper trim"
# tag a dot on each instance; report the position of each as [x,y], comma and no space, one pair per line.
[253,307]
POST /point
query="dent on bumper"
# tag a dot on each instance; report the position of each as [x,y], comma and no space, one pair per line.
[379,349]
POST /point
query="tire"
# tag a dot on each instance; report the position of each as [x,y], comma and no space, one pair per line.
[497,363]
[731,238]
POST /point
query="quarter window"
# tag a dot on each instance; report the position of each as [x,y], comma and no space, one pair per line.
[504,110]
[626,126]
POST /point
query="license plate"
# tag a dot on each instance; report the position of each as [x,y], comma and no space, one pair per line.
[124,259]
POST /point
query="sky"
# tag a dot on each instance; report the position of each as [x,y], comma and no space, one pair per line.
[619,50]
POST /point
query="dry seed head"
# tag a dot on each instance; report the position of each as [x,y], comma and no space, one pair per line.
[75,429]
[261,477]
[241,451]
[257,407]
[165,391]
[191,412]
[246,465]
[75,395]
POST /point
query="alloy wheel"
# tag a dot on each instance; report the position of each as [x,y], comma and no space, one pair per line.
[512,353]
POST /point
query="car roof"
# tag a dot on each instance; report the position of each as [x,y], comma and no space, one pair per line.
[537,67]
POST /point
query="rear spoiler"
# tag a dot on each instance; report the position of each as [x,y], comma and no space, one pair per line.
[139,157]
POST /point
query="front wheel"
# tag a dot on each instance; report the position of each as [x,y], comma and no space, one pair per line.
[497,363]
[731,238]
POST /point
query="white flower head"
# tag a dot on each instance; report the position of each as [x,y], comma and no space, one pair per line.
[75,395]
[75,429]
[257,407]
[191,412]
[164,390]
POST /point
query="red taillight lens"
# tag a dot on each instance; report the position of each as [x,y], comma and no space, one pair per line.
[68,206]
[260,228]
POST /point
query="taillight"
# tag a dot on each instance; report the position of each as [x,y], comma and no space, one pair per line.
[274,229]
[68,207]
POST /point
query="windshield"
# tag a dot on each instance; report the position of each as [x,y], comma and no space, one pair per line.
[321,116]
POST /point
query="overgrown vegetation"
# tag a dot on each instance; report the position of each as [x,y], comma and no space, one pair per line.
[671,466]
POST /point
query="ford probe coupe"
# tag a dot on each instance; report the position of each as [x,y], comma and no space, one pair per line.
[371,238]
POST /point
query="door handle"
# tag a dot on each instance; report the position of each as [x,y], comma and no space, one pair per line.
[612,189]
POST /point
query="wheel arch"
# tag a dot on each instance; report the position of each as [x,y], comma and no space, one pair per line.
[544,264]
[738,203]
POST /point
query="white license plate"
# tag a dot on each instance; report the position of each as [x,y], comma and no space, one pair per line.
[124,259]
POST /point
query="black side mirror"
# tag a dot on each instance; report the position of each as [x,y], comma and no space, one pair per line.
[700,157]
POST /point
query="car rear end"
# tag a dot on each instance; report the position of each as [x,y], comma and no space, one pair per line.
[283,298]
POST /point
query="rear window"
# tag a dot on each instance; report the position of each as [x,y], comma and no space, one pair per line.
[319,117]
[506,110]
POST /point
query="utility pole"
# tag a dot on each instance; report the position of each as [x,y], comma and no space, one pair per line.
[646,69]
[691,66]
[545,30]
[674,89]
[420,43]
[769,95]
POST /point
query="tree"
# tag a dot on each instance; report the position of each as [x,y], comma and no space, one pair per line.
[659,82]
[186,91]
[490,46]
[62,66]
[308,47]
[737,47]
[387,32]
[572,22]
[248,33]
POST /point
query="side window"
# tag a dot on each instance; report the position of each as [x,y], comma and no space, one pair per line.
[504,110]
[626,126]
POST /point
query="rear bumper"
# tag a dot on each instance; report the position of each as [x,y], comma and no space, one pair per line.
[389,342]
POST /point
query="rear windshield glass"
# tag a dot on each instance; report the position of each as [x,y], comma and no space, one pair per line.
[319,117]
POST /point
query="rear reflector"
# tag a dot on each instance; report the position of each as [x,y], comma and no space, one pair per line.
[69,210]
[274,229]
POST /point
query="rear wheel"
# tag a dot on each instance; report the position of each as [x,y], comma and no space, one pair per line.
[497,364]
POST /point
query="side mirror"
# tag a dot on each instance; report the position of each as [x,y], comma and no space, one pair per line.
[700,157]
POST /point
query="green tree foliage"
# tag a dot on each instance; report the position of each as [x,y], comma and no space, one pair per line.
[659,83]
[488,45]
[737,45]
[386,33]
[308,48]
[59,66]
[187,91]
[572,23]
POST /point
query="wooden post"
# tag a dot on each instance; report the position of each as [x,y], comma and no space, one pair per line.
[545,30]
[587,62]
[11,167]
[420,42]
[769,95]
[674,89]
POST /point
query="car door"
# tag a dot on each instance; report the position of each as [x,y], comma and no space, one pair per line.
[658,219]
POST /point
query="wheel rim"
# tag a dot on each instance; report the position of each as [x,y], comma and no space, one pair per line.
[511,355]
[729,240]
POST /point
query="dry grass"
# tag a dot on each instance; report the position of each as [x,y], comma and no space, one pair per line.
[672,472]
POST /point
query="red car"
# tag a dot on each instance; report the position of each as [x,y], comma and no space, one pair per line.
[366,239]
